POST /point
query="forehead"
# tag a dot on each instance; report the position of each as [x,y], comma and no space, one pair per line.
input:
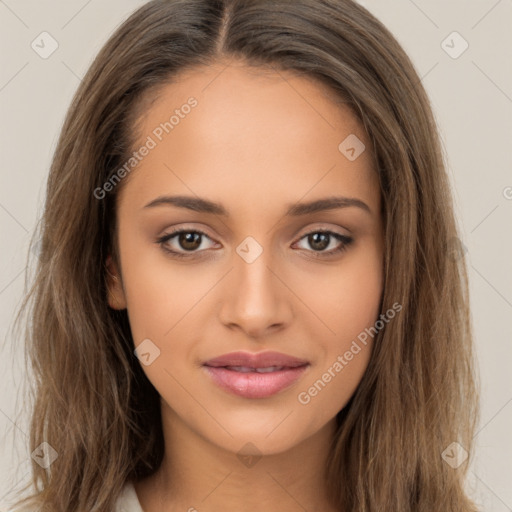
[260,130]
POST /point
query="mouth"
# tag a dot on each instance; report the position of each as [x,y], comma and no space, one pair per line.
[247,369]
[258,375]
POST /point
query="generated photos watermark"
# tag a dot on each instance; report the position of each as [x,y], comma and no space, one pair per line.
[304,397]
[158,133]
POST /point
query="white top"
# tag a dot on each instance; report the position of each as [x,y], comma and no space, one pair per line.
[127,500]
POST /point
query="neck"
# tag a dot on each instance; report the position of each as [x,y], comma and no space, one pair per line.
[198,475]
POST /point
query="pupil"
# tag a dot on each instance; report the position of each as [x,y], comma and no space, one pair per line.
[314,240]
[189,241]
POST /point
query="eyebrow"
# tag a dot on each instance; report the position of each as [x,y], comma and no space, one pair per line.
[198,204]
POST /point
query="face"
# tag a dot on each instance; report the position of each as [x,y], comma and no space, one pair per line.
[241,264]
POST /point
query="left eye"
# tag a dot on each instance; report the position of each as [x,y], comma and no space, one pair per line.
[321,240]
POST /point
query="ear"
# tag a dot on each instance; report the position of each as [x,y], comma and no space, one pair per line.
[115,291]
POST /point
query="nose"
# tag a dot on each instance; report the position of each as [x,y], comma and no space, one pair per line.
[255,298]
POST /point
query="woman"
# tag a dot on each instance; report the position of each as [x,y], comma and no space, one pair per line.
[249,294]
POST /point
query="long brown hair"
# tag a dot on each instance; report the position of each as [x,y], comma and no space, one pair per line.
[93,403]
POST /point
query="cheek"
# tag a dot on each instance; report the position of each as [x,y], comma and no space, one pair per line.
[343,299]
[163,304]
[167,303]
[346,302]
[330,387]
[159,292]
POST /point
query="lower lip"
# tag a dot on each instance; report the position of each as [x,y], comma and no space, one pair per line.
[253,384]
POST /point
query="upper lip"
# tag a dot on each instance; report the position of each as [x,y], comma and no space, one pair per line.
[256,360]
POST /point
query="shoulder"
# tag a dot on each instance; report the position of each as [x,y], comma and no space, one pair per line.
[128,500]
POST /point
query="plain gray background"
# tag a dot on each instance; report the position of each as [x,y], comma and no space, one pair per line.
[471,94]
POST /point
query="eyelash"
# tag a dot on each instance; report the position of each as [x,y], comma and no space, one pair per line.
[347,241]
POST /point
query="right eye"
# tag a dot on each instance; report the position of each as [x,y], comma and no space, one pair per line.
[185,242]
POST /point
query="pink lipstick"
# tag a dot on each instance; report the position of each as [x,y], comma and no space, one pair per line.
[255,375]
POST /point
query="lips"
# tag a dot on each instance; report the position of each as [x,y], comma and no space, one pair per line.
[255,375]
[248,369]
[256,360]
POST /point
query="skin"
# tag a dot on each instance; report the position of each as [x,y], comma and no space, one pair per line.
[257,142]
